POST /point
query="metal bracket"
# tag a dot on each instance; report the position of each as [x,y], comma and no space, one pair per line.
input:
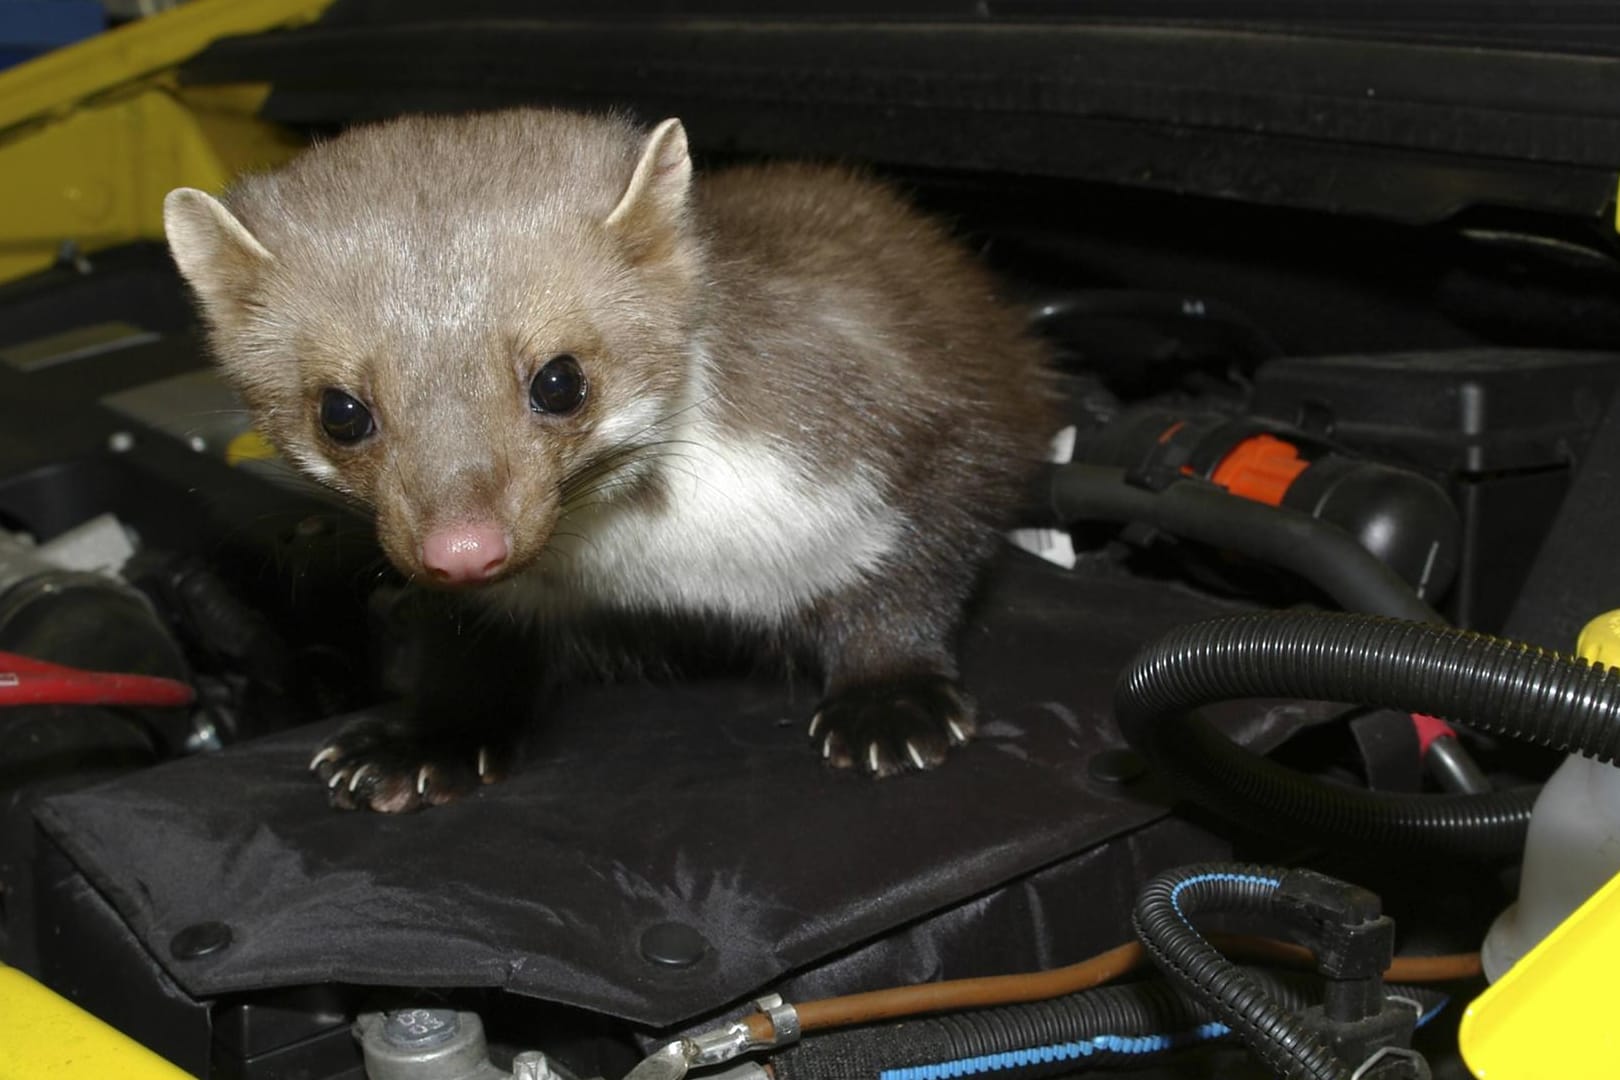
[674,1061]
[784,1019]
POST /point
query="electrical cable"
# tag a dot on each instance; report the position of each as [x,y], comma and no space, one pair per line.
[1497,686]
[1273,1028]
[1315,550]
[1141,305]
[1096,1027]
[904,1001]
[1446,759]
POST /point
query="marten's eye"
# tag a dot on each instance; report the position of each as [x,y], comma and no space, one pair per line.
[344,419]
[559,387]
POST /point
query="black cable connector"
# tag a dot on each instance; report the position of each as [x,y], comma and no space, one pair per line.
[1354,943]
[1317,551]
[1359,1031]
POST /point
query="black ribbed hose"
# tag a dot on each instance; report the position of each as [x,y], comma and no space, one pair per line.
[1502,687]
[1269,1024]
[1162,1016]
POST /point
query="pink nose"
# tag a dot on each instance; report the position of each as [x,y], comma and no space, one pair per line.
[464,554]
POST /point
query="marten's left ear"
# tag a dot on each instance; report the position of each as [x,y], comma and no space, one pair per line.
[653,207]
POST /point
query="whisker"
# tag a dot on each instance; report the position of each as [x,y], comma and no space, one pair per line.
[552,550]
[580,508]
[629,446]
[624,456]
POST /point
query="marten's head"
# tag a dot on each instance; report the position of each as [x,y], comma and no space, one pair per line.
[463,324]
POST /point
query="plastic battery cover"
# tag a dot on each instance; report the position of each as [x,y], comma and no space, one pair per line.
[700,804]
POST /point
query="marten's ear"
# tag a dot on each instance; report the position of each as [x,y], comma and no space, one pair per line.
[653,207]
[215,252]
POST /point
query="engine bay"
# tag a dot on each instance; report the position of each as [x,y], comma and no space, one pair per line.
[1279,413]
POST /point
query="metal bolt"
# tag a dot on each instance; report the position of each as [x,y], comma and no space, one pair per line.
[1116,767]
[204,736]
[69,255]
[197,443]
[532,1065]
[199,940]
[673,944]
[120,442]
[418,1029]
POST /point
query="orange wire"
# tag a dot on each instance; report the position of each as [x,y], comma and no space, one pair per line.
[990,990]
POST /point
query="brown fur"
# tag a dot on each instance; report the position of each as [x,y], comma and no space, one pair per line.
[430,266]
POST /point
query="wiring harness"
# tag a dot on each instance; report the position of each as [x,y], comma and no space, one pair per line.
[1496,686]
[1358,1031]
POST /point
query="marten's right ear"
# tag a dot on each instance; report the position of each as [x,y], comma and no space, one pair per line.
[650,214]
[215,252]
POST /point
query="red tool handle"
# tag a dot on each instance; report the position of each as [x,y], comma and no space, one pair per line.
[27,681]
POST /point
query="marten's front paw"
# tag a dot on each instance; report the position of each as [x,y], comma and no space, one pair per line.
[373,764]
[888,727]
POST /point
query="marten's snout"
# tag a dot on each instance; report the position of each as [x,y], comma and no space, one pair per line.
[465,554]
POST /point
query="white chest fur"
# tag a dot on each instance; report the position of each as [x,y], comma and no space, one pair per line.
[742,533]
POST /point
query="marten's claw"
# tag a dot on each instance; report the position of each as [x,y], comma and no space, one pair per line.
[391,767]
[894,726]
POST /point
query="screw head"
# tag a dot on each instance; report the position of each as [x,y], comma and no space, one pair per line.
[418,1029]
[199,940]
[672,944]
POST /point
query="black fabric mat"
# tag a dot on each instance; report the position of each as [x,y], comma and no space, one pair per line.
[697,804]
